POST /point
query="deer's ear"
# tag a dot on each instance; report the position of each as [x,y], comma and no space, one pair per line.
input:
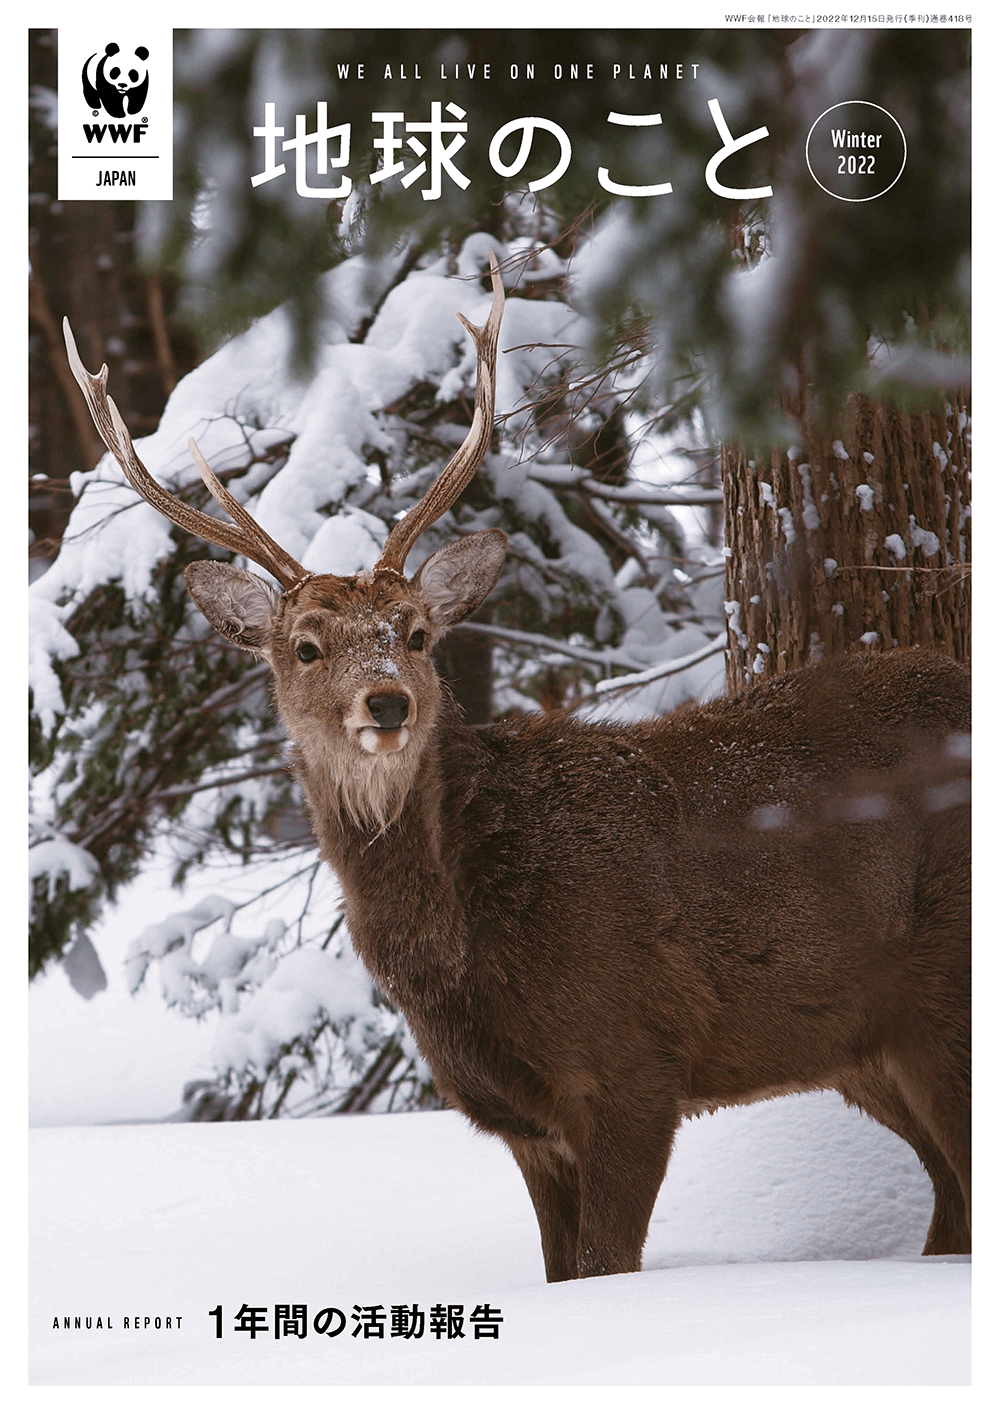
[456,579]
[235,602]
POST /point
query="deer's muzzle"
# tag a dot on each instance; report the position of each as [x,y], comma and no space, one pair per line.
[389,710]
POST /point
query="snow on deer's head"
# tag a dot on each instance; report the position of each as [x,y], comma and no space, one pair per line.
[351,657]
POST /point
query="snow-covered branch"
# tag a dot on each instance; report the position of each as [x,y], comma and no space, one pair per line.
[539,642]
[571,478]
[663,670]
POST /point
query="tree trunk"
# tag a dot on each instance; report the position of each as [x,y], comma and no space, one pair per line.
[852,544]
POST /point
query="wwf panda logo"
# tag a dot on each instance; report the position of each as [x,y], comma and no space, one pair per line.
[119,83]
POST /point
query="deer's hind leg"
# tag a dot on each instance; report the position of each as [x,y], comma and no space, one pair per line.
[928,1050]
[875,1092]
[933,1077]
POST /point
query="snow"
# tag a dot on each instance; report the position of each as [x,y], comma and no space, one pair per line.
[810,515]
[346,544]
[59,857]
[866,496]
[924,540]
[118,1056]
[47,639]
[732,612]
[788,525]
[302,985]
[784,1249]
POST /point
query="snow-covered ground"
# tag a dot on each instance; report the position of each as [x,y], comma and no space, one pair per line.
[116,1057]
[784,1250]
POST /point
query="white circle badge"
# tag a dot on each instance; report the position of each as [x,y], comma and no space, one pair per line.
[856,151]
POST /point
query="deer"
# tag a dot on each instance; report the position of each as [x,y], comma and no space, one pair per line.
[597,929]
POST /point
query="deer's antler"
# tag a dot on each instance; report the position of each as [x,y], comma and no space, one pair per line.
[466,461]
[246,537]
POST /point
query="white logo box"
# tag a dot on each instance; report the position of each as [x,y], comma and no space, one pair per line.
[116,112]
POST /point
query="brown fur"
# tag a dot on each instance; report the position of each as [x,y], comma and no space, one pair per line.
[595,930]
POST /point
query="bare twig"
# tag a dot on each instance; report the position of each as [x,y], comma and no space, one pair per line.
[175,792]
[962,568]
[161,339]
[38,310]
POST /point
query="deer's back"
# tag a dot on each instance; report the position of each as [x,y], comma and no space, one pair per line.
[750,867]
[822,746]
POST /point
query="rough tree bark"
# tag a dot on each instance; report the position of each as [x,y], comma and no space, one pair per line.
[850,544]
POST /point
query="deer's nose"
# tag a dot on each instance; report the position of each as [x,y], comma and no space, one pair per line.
[389,710]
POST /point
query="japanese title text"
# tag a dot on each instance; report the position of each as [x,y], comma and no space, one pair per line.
[427,152]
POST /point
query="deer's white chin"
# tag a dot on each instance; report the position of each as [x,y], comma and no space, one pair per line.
[381,743]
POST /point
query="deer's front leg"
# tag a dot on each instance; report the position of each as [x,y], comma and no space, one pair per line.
[553,1184]
[621,1167]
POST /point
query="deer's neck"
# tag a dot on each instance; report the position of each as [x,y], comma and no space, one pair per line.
[400,883]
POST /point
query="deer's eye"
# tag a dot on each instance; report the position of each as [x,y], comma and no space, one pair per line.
[416,640]
[307,652]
